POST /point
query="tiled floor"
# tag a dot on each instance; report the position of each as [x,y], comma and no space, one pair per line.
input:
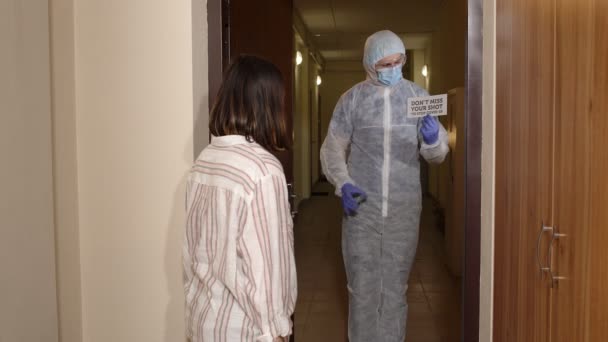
[322,309]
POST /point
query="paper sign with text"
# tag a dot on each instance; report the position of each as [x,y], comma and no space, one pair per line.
[436,105]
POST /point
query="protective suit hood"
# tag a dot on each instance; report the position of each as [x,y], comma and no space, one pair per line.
[379,45]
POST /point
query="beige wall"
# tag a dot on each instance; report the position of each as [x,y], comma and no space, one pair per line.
[200,75]
[301,124]
[124,122]
[65,171]
[447,53]
[306,156]
[446,66]
[419,62]
[315,139]
[487,173]
[134,119]
[28,304]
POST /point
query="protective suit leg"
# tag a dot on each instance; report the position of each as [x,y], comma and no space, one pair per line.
[361,251]
[399,242]
[378,256]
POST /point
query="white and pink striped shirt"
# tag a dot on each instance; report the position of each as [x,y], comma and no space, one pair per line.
[240,276]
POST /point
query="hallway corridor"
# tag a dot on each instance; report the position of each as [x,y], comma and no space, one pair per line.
[322,308]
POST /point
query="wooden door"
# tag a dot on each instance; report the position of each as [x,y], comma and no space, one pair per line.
[265,28]
[597,279]
[524,160]
[580,299]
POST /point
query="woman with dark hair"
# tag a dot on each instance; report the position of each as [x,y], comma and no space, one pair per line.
[240,277]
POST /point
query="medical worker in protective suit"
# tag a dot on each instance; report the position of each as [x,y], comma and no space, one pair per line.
[371,155]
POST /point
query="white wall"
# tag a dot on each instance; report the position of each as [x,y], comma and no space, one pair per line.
[28,302]
[131,116]
[486,286]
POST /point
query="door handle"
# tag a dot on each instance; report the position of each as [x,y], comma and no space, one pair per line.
[554,278]
[294,210]
[542,268]
[292,199]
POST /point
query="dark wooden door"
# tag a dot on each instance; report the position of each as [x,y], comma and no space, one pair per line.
[524,163]
[265,28]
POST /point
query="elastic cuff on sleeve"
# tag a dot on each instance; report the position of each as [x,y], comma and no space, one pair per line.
[283,329]
[265,338]
[427,146]
[339,186]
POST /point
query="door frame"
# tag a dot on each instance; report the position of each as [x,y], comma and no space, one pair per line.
[217,49]
[473,133]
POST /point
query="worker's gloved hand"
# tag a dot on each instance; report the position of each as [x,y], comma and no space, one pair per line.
[429,130]
[351,197]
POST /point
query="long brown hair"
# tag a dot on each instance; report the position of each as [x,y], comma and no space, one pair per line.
[251,102]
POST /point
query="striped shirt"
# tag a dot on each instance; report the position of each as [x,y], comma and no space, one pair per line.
[240,276]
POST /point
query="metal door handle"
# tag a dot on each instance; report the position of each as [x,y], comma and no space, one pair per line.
[292,199]
[542,267]
[554,278]
[294,212]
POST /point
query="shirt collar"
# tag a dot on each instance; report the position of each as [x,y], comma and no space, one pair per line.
[229,140]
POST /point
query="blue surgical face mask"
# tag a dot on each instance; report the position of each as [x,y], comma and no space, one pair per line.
[390,76]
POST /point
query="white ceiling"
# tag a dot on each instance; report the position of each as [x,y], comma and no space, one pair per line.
[339,27]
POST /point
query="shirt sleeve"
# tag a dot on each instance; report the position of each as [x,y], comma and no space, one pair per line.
[435,153]
[266,246]
[187,253]
[336,144]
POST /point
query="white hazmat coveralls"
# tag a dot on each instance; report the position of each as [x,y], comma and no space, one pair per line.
[372,144]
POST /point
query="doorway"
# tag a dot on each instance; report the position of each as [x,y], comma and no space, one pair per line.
[231,22]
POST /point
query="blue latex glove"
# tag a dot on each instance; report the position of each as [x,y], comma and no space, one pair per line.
[351,197]
[429,130]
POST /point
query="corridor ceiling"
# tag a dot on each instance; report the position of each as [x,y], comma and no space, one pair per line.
[339,27]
